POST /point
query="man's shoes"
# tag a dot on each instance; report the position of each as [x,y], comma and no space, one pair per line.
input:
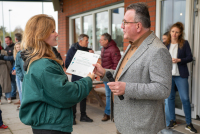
[12,98]
[9,101]
[172,124]
[5,98]
[74,121]
[105,117]
[3,126]
[85,118]
[191,128]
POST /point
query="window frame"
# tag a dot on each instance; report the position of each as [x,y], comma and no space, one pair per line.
[93,13]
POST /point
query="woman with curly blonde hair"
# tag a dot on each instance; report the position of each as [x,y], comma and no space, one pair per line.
[47,94]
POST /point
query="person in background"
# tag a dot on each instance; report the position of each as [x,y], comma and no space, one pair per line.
[18,71]
[143,76]
[19,66]
[110,56]
[167,116]
[181,54]
[2,126]
[82,44]
[5,81]
[164,37]
[9,48]
[47,94]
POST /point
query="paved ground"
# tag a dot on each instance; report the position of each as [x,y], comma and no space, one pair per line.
[11,118]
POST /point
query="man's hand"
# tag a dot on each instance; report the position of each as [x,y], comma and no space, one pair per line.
[91,51]
[174,60]
[118,88]
[99,70]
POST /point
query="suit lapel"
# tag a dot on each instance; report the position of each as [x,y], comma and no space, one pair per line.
[138,53]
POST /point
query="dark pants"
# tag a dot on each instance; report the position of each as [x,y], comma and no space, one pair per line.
[82,108]
[13,85]
[42,131]
[1,122]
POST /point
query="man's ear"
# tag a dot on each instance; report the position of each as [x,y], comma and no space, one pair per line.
[139,27]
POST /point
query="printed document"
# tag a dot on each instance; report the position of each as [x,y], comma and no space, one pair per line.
[81,63]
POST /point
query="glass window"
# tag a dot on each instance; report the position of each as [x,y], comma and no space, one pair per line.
[172,12]
[77,29]
[117,32]
[101,27]
[87,28]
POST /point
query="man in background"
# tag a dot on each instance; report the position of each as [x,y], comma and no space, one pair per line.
[9,48]
[82,44]
[110,56]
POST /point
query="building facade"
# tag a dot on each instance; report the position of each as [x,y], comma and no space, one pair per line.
[95,17]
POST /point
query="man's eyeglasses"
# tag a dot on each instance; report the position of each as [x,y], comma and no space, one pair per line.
[124,22]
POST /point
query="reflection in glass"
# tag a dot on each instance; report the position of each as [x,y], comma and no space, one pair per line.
[172,12]
[117,32]
[77,29]
[87,28]
[101,27]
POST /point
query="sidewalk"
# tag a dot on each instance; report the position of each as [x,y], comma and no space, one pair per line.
[11,118]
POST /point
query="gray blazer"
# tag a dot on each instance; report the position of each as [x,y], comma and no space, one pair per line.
[148,82]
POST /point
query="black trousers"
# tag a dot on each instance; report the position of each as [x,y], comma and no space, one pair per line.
[42,131]
[82,108]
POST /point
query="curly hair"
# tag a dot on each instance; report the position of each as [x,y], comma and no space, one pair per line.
[181,39]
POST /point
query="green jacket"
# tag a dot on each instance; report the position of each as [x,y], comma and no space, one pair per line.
[48,96]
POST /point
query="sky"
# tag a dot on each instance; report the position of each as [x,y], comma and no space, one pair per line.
[23,11]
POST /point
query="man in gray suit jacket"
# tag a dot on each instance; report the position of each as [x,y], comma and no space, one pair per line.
[143,76]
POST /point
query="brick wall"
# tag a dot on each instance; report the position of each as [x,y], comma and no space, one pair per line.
[72,7]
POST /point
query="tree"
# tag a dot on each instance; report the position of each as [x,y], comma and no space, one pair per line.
[18,29]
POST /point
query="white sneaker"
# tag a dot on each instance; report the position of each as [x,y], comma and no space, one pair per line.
[9,101]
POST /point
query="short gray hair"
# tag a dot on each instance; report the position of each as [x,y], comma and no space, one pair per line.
[18,36]
[81,36]
[141,13]
[107,36]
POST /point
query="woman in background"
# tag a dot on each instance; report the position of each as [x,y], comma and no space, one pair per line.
[181,54]
[47,94]
[17,49]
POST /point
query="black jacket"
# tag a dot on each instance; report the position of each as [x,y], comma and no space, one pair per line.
[10,49]
[70,54]
[185,55]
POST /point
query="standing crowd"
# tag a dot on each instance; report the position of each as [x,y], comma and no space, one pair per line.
[149,73]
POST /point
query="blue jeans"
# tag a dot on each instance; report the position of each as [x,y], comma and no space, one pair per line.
[19,87]
[167,115]
[108,94]
[13,86]
[183,89]
[1,121]
[8,95]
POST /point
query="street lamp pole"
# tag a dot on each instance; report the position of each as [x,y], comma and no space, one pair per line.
[3,27]
[9,21]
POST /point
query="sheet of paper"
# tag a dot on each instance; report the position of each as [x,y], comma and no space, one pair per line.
[81,63]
